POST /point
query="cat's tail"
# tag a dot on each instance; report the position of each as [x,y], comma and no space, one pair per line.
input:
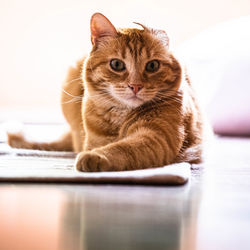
[18,140]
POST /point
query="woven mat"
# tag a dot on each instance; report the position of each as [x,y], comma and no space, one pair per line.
[20,165]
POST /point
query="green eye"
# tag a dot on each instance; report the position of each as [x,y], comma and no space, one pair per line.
[152,66]
[117,65]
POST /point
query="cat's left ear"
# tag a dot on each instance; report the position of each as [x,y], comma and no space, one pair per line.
[101,27]
[162,36]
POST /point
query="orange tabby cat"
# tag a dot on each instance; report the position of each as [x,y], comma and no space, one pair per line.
[138,108]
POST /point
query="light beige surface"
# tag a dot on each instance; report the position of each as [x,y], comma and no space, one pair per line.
[211,212]
[40,39]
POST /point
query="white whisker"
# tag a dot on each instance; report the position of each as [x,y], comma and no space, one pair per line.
[76,79]
[74,99]
[70,94]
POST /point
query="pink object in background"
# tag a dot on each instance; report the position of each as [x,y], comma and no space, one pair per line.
[218,60]
[229,110]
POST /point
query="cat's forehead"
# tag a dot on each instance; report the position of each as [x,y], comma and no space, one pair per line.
[133,46]
[138,44]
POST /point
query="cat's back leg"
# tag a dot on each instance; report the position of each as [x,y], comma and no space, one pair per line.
[64,143]
[71,103]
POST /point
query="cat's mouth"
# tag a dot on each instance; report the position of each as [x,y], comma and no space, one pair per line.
[134,101]
[135,98]
[129,98]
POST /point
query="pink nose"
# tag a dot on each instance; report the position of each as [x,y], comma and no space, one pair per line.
[135,87]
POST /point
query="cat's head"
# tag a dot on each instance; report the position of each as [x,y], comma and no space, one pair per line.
[129,66]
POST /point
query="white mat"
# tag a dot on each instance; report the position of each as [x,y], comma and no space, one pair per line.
[20,165]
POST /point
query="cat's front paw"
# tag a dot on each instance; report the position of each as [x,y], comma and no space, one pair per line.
[92,162]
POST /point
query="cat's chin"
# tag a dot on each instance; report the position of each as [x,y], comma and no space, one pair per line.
[133,102]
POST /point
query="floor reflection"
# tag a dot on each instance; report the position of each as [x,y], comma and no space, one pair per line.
[98,217]
[125,217]
[30,217]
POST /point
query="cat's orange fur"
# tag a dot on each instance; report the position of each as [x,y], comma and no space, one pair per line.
[128,119]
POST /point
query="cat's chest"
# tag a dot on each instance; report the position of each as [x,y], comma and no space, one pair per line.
[102,125]
[103,120]
[114,117]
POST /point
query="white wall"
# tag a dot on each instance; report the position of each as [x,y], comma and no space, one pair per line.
[40,39]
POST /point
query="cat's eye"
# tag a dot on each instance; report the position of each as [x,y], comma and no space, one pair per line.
[117,65]
[152,66]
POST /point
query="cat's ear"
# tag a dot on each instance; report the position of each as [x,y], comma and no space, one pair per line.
[162,36]
[101,27]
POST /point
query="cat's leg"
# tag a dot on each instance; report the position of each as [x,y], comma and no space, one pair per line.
[64,143]
[71,103]
[142,149]
[71,98]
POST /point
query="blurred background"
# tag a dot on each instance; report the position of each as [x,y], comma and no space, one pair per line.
[41,39]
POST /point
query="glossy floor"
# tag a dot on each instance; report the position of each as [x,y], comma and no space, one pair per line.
[211,212]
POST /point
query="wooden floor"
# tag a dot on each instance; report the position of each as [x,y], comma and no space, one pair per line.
[211,212]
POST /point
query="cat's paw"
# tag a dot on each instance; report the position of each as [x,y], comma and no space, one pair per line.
[92,162]
[16,140]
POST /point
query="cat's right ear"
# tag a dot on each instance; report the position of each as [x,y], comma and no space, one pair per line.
[101,27]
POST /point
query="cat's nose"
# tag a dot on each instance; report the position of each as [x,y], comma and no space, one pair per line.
[135,87]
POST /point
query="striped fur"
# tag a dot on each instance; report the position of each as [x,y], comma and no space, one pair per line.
[111,129]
